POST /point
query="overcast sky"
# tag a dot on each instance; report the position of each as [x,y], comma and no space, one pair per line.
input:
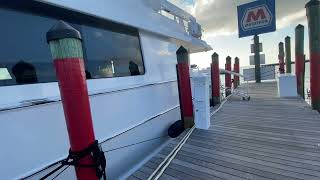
[219,21]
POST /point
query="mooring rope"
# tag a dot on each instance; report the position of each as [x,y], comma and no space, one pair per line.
[105,151]
[221,105]
[157,173]
[174,151]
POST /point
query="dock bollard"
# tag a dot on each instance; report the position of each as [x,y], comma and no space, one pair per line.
[281,58]
[300,59]
[228,83]
[66,49]
[183,73]
[236,69]
[288,54]
[313,15]
[215,79]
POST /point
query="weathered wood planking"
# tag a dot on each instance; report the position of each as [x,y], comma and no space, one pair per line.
[265,138]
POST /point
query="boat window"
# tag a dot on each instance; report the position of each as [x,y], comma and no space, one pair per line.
[24,54]
[25,57]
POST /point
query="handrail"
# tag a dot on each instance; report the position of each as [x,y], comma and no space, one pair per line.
[176,11]
[194,28]
[230,72]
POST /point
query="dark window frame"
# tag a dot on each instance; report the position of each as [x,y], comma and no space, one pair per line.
[73,17]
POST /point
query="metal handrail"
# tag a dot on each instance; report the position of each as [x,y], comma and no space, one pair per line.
[238,92]
[193,28]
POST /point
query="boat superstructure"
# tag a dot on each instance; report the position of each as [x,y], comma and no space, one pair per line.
[130,58]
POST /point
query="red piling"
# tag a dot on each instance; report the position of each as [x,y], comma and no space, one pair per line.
[228,83]
[300,59]
[288,54]
[281,58]
[236,69]
[183,73]
[215,79]
[313,15]
[66,47]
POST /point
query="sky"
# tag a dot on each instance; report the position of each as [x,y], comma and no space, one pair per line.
[219,22]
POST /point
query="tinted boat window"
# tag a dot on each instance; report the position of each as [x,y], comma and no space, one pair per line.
[111,54]
[109,50]
[24,54]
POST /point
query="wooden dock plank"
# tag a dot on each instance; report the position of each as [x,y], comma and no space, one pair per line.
[253,162]
[271,156]
[199,175]
[132,178]
[140,175]
[265,138]
[186,157]
[256,140]
[206,170]
[167,177]
[277,150]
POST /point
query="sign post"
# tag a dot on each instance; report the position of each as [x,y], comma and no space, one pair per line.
[256,18]
[257,59]
[260,48]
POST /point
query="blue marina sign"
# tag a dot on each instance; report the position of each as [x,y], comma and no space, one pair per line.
[256,18]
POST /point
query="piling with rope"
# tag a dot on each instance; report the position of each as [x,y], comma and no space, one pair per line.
[300,59]
[183,73]
[313,15]
[288,54]
[228,83]
[281,58]
[215,79]
[236,69]
[66,48]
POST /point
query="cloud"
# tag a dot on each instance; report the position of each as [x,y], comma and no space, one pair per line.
[219,17]
[187,5]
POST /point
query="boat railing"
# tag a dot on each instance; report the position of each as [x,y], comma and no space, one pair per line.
[186,20]
[242,92]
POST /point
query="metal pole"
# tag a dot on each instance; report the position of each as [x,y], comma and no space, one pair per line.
[228,82]
[66,49]
[300,59]
[313,14]
[288,54]
[215,79]
[185,87]
[281,58]
[257,59]
[236,69]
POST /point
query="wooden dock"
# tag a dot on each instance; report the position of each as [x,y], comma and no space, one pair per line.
[265,138]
